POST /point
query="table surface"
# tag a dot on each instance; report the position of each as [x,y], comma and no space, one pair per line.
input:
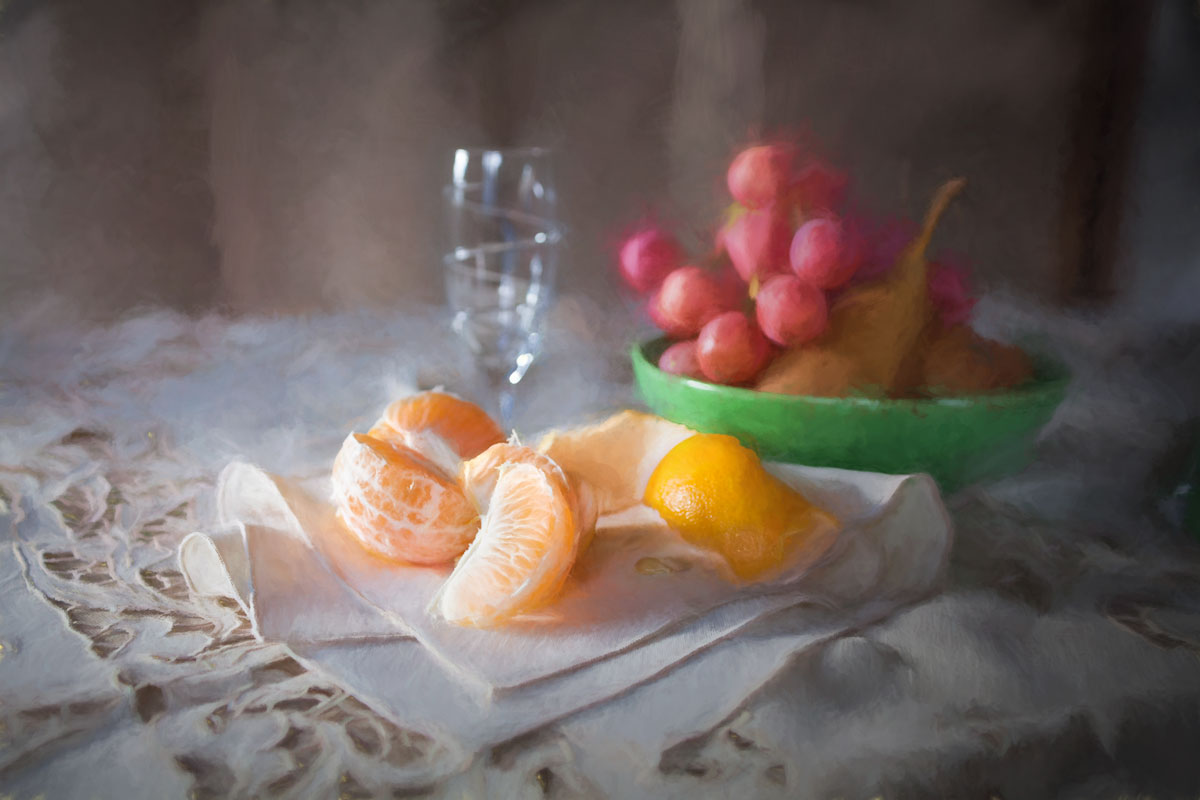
[1059,660]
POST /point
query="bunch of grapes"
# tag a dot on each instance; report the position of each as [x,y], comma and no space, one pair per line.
[784,252]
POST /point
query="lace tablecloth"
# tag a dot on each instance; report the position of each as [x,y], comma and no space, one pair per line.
[1057,662]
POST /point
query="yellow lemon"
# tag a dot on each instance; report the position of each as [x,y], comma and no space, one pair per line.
[718,496]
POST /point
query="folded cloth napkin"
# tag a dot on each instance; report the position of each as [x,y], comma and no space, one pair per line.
[282,554]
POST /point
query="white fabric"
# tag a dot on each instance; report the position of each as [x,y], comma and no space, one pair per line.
[286,559]
[111,440]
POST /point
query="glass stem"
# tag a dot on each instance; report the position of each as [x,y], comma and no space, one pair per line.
[504,396]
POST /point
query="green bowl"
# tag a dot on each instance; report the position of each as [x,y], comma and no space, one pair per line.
[957,440]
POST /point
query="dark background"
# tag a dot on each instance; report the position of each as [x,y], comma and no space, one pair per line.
[287,155]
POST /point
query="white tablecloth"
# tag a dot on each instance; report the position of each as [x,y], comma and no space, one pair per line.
[1059,660]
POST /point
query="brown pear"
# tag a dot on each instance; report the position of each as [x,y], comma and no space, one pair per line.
[874,329]
[960,362]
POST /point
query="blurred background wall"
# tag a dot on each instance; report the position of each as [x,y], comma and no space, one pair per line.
[1162,245]
[104,195]
[287,155]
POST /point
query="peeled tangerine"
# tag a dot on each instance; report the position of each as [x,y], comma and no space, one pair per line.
[400,505]
[394,487]
[441,426]
[479,477]
[718,496]
[522,555]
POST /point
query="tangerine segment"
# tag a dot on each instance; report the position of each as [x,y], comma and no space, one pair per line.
[478,478]
[717,495]
[415,420]
[398,504]
[521,557]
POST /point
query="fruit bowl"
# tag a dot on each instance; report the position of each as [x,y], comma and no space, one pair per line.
[957,440]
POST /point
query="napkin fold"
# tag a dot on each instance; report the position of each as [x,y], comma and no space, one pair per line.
[280,551]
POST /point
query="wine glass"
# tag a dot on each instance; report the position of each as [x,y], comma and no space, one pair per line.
[503,245]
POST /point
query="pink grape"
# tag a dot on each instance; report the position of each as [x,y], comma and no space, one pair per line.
[950,292]
[688,298]
[886,244]
[680,359]
[731,349]
[818,187]
[732,285]
[757,243]
[791,311]
[656,316]
[826,253]
[647,257]
[758,176]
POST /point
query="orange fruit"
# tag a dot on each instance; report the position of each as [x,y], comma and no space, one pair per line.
[441,426]
[959,362]
[400,505]
[717,495]
[521,556]
[479,475]
[615,457]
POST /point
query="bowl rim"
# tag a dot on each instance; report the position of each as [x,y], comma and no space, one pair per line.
[1051,377]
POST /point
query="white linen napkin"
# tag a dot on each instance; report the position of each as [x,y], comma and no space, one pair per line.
[283,556]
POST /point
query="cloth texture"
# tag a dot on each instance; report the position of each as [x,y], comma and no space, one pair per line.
[284,557]
[1057,659]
